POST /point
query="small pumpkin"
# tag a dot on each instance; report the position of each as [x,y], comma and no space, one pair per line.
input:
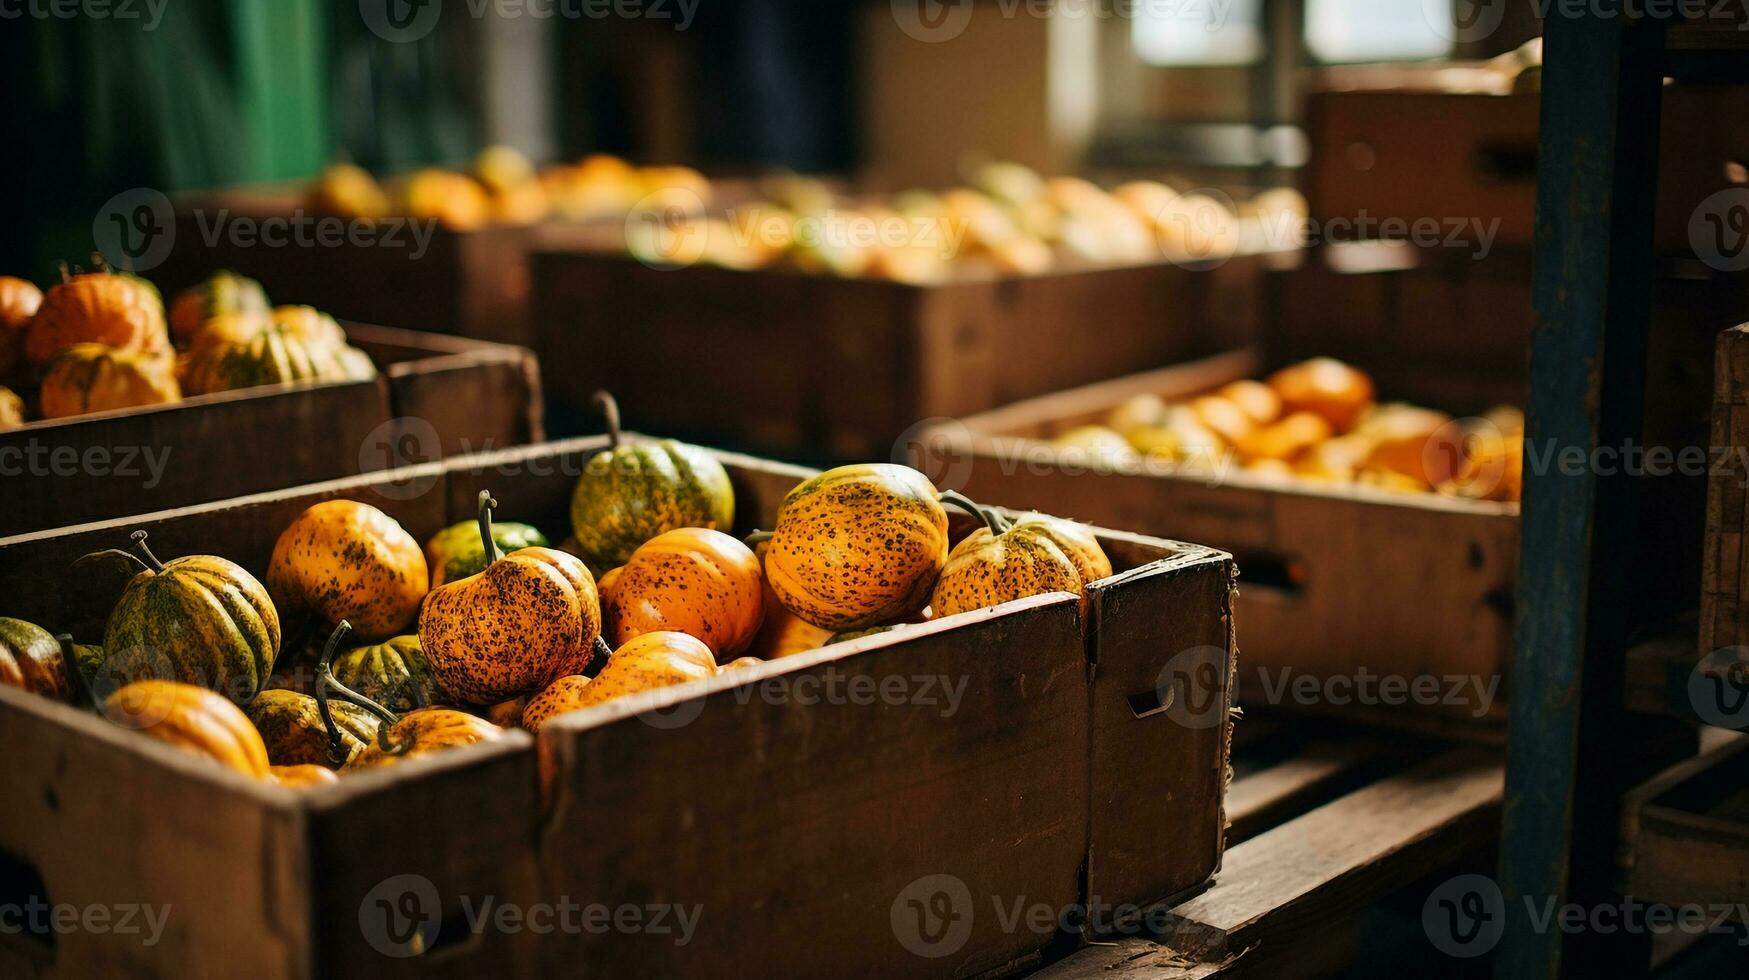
[31,658]
[650,661]
[293,728]
[349,191]
[273,355]
[690,580]
[393,673]
[199,619]
[455,552]
[858,546]
[630,493]
[191,718]
[19,301]
[11,409]
[342,559]
[222,293]
[99,307]
[1324,387]
[397,737]
[303,777]
[1003,561]
[531,617]
[87,378]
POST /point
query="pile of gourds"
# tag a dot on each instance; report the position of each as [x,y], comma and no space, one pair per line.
[503,187]
[489,627]
[99,341]
[1009,220]
[1316,422]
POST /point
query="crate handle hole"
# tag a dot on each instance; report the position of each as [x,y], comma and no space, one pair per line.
[1272,571]
[22,893]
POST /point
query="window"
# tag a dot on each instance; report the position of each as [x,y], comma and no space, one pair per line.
[1188,32]
[1378,30]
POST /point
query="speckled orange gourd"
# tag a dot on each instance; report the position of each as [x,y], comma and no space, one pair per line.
[1036,555]
[691,580]
[649,662]
[530,618]
[303,777]
[423,732]
[191,718]
[345,560]
[858,546]
[100,308]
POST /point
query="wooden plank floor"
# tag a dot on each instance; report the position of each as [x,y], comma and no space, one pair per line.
[1321,829]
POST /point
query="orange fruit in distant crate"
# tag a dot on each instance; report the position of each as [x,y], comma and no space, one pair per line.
[1327,388]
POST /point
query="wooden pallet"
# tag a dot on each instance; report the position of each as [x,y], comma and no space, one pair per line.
[1323,822]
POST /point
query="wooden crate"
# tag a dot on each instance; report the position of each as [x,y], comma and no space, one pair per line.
[1686,831]
[1398,146]
[1337,579]
[796,826]
[1724,590]
[435,396]
[470,283]
[827,368]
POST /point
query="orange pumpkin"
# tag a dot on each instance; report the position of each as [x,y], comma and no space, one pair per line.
[88,378]
[19,300]
[1325,387]
[11,409]
[690,580]
[191,718]
[341,559]
[99,307]
[1003,561]
[531,617]
[304,776]
[651,661]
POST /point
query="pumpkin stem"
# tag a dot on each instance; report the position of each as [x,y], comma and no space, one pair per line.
[112,553]
[149,560]
[66,273]
[988,515]
[70,663]
[100,263]
[609,407]
[757,538]
[325,679]
[486,542]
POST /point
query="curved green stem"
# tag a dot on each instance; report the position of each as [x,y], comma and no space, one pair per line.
[113,553]
[486,542]
[757,538]
[70,663]
[325,679]
[149,560]
[992,520]
[609,407]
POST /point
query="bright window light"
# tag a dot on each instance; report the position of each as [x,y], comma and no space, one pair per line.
[1183,33]
[1378,30]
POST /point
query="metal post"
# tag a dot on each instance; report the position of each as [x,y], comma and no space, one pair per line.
[1566,771]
